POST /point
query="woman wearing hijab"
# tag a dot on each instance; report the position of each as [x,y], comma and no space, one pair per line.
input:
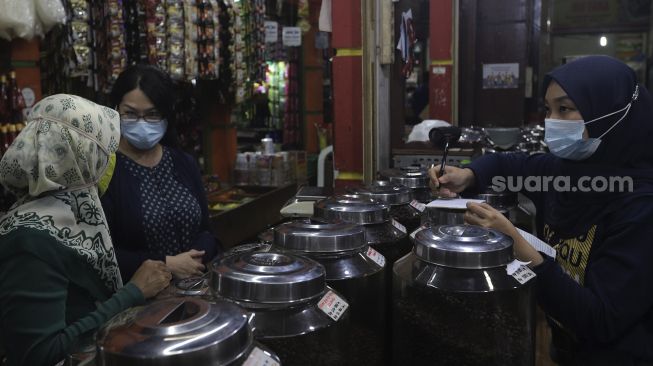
[598,292]
[59,279]
[156,204]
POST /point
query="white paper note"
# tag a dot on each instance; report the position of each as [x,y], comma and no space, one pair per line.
[455,203]
[538,244]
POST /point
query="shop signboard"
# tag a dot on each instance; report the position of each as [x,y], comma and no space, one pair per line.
[271,32]
[292,36]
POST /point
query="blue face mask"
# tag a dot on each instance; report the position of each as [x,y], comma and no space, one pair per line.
[143,135]
[565,137]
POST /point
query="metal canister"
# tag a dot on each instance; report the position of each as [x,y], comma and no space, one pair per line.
[382,232]
[455,302]
[355,270]
[181,331]
[399,198]
[415,178]
[292,310]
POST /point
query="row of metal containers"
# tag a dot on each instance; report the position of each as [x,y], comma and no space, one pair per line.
[347,286]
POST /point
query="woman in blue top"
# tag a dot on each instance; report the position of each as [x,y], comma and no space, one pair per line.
[155,205]
[598,291]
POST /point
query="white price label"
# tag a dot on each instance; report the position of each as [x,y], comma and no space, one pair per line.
[399,226]
[271,32]
[28,96]
[258,357]
[375,256]
[523,274]
[418,206]
[333,305]
[291,36]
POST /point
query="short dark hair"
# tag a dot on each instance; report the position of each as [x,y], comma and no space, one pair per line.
[157,86]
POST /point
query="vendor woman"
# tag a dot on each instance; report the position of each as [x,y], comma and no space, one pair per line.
[156,204]
[598,291]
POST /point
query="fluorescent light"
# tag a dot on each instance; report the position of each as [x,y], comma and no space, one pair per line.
[603,41]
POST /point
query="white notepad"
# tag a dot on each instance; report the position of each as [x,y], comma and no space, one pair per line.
[455,203]
[538,244]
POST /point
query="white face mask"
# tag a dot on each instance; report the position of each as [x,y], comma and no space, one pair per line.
[565,137]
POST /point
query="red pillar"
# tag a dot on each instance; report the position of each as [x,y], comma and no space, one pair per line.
[441,55]
[347,93]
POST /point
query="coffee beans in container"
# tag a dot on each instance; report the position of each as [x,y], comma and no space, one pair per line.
[291,308]
[181,331]
[382,232]
[355,270]
[458,302]
[399,198]
[415,178]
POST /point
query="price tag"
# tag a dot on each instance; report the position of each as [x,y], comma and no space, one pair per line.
[419,206]
[399,226]
[292,36]
[271,32]
[28,96]
[333,305]
[377,257]
[522,273]
[258,357]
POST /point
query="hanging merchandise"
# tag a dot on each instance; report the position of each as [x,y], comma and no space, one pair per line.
[239,11]
[191,19]
[226,72]
[207,49]
[276,81]
[157,45]
[407,42]
[175,31]
[292,134]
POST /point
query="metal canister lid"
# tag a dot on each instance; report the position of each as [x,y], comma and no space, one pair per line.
[268,277]
[352,208]
[463,246]
[386,191]
[411,177]
[500,200]
[178,329]
[312,236]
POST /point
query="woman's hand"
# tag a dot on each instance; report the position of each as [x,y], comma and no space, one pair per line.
[151,277]
[187,264]
[482,214]
[454,181]
[487,216]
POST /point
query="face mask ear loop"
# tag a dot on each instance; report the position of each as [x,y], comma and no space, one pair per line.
[619,121]
[611,114]
[627,107]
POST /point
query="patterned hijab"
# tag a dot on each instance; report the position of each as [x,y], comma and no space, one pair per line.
[53,168]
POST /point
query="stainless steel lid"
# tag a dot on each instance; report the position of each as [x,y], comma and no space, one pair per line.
[411,177]
[496,199]
[352,208]
[177,329]
[312,236]
[268,277]
[386,191]
[463,246]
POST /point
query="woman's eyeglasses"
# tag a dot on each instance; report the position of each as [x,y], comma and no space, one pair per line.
[131,117]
